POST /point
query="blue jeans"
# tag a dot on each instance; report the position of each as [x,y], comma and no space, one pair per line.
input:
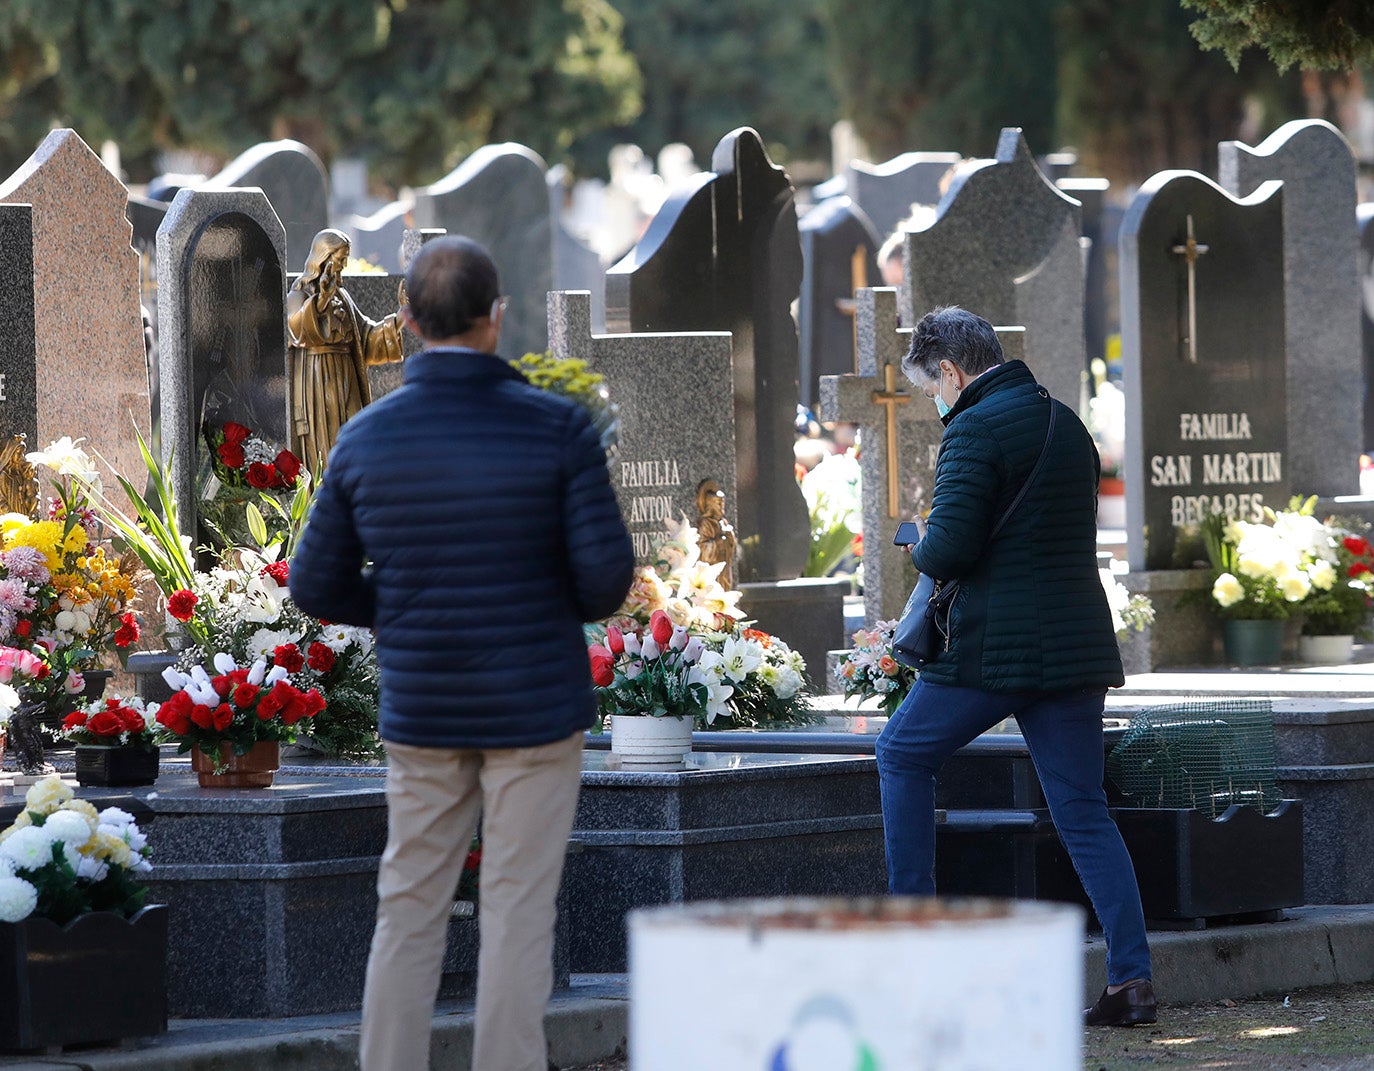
[1063,732]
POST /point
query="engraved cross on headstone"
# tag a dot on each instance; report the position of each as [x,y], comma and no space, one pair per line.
[1190,250]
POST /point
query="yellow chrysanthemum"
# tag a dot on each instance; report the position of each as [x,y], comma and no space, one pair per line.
[47,795]
[110,848]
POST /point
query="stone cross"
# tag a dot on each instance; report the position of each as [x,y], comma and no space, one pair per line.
[1190,250]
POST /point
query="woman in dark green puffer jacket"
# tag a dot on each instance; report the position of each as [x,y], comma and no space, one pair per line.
[1030,631]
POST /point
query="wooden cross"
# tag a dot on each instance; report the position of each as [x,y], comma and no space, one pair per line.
[848,306]
[1190,250]
[889,398]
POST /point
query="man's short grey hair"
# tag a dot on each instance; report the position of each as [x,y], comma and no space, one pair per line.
[950,333]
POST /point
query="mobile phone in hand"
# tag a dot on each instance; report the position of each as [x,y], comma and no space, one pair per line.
[908,532]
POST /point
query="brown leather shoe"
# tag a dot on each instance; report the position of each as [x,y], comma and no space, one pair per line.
[1131,1006]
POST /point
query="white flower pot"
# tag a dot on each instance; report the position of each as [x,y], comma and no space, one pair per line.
[878,983]
[642,740]
[1325,650]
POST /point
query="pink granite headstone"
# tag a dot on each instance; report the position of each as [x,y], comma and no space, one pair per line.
[92,373]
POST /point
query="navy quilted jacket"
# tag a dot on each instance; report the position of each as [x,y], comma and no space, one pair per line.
[1031,614]
[468,519]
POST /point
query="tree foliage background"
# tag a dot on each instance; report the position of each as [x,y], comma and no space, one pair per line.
[414,85]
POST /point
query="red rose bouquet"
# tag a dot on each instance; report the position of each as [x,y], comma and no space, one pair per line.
[113,722]
[237,706]
[240,468]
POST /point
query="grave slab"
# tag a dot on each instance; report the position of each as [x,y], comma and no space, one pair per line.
[296,185]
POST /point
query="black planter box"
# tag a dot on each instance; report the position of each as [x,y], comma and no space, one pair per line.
[99,978]
[116,766]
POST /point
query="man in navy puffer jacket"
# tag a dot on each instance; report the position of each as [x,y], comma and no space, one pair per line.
[469,520]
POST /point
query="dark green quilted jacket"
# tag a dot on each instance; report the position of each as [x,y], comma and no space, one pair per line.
[1031,614]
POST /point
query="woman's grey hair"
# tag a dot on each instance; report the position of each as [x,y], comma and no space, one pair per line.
[950,333]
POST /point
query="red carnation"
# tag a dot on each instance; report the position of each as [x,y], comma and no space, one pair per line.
[278,571]
[223,716]
[74,720]
[261,476]
[41,672]
[1359,569]
[202,715]
[289,657]
[289,465]
[661,625]
[314,702]
[231,454]
[182,604]
[244,695]
[235,433]
[128,631]
[321,658]
[1356,546]
[23,628]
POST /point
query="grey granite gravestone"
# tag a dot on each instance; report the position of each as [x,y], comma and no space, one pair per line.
[222,312]
[377,238]
[723,254]
[894,419]
[1321,290]
[1203,353]
[18,345]
[1091,193]
[92,380]
[497,197]
[666,447]
[296,185]
[576,265]
[1364,214]
[1005,244]
[835,235]
[887,191]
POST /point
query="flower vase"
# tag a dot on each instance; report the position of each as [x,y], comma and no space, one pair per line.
[1254,643]
[255,768]
[642,740]
[128,764]
[1325,650]
[101,977]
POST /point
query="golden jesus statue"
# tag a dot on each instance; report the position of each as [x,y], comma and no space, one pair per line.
[332,343]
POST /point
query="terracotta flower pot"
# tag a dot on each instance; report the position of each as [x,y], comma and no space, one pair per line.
[254,769]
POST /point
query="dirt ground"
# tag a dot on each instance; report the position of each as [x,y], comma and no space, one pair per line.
[1327,1029]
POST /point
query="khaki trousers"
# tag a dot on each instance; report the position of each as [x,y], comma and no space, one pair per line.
[526,797]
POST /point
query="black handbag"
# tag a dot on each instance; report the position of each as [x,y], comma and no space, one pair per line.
[923,630]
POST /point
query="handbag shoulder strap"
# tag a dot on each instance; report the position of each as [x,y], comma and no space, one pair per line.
[1039,464]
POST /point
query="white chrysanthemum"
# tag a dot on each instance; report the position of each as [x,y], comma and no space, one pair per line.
[265,640]
[113,816]
[68,827]
[18,898]
[1322,575]
[88,866]
[129,833]
[47,795]
[6,867]
[1227,590]
[28,848]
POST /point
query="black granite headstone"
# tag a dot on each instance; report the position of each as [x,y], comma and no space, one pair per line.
[1204,361]
[723,254]
[1091,193]
[18,346]
[222,314]
[1364,214]
[833,235]
[887,191]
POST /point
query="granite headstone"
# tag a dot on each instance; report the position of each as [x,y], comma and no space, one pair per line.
[296,185]
[723,254]
[222,312]
[576,265]
[1364,216]
[896,423]
[887,191]
[377,238]
[498,197]
[92,379]
[1321,292]
[1091,193]
[18,347]
[669,442]
[1203,353]
[1005,244]
[839,246]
